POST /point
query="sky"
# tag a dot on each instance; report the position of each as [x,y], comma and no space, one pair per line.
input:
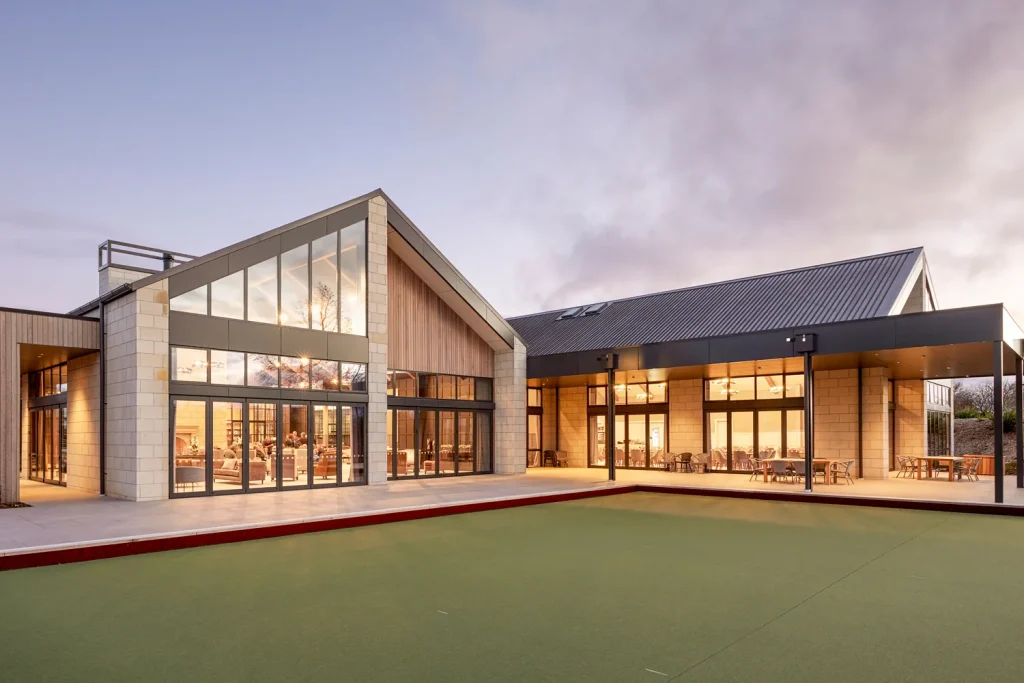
[557,152]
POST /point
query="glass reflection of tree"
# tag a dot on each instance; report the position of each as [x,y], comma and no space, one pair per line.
[325,308]
[267,373]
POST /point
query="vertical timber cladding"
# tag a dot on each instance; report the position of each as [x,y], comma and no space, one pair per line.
[22,327]
[425,334]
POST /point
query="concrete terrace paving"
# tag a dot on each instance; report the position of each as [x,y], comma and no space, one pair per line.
[62,517]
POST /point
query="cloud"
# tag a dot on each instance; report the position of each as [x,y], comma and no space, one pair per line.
[680,143]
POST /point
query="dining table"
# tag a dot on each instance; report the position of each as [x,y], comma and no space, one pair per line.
[827,462]
[930,461]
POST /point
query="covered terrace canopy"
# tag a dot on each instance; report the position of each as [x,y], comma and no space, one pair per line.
[980,341]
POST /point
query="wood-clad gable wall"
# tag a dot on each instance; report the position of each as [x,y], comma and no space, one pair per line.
[17,328]
[425,334]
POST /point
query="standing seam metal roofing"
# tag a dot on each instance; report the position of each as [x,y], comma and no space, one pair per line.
[845,290]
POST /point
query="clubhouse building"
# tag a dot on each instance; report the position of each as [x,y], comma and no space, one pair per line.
[344,349]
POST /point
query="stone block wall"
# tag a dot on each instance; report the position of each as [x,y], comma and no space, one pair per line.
[83,431]
[377,332]
[875,426]
[510,410]
[686,416]
[113,277]
[911,418]
[572,424]
[835,420]
[137,394]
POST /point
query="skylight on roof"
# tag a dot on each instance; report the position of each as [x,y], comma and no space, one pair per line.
[594,309]
[570,313]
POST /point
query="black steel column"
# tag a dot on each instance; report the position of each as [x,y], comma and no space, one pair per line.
[609,426]
[1020,422]
[997,417]
[808,422]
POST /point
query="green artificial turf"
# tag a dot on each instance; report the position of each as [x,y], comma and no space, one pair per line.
[624,588]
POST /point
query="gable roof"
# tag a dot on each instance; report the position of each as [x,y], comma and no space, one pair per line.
[449,282]
[866,287]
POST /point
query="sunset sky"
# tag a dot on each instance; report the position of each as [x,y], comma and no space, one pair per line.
[557,152]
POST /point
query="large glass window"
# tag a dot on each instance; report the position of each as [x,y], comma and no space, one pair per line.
[294,373]
[718,439]
[262,294]
[446,442]
[262,370]
[428,386]
[353,377]
[228,449]
[189,446]
[405,432]
[657,439]
[466,456]
[621,441]
[295,445]
[325,444]
[323,375]
[636,394]
[427,426]
[404,383]
[446,387]
[227,296]
[597,436]
[465,388]
[48,382]
[794,386]
[262,445]
[295,287]
[657,392]
[193,301]
[795,433]
[353,444]
[742,440]
[533,440]
[770,387]
[597,396]
[638,441]
[325,283]
[190,365]
[533,398]
[352,271]
[227,367]
[483,441]
[769,433]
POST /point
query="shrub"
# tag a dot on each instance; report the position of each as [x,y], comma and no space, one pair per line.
[968,413]
[1009,420]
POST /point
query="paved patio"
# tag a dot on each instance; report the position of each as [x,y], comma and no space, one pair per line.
[62,518]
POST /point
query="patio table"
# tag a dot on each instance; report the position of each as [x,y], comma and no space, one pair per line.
[932,460]
[766,466]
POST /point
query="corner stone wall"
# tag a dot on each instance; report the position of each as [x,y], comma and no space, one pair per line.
[686,416]
[137,394]
[510,410]
[911,418]
[836,418]
[377,332]
[572,424]
[83,430]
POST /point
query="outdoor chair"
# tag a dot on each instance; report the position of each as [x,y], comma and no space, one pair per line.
[684,463]
[780,470]
[718,461]
[799,470]
[969,469]
[908,466]
[699,462]
[741,461]
[757,468]
[841,470]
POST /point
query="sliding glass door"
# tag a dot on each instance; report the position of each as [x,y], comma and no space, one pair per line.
[48,445]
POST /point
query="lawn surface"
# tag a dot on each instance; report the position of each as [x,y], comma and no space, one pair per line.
[636,587]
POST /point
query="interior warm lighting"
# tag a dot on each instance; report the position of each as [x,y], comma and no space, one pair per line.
[303,360]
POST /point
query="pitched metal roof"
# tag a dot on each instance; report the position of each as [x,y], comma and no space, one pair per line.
[860,288]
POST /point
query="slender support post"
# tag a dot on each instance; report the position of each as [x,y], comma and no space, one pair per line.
[997,417]
[808,422]
[1020,422]
[609,427]
[860,423]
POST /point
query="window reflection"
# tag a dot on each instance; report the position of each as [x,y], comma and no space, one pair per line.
[325,283]
[353,377]
[483,442]
[295,287]
[262,294]
[769,387]
[294,373]
[226,296]
[189,364]
[191,302]
[636,394]
[189,446]
[262,370]
[323,374]
[352,272]
[794,385]
[227,367]
[657,392]
[597,396]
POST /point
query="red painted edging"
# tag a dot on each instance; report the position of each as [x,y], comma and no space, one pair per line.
[122,549]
